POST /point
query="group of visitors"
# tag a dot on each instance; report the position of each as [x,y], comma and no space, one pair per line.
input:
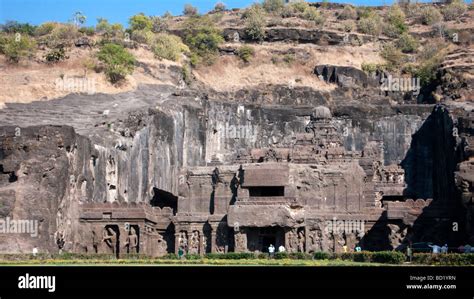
[271,250]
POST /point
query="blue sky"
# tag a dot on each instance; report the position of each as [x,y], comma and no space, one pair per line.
[116,11]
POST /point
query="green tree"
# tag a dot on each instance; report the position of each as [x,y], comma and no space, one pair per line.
[203,39]
[79,18]
[15,27]
[190,10]
[220,7]
[140,22]
[255,23]
[118,62]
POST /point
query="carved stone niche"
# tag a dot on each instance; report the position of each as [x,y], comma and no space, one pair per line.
[194,242]
[240,238]
[315,240]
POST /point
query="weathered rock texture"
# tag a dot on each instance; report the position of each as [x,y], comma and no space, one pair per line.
[162,169]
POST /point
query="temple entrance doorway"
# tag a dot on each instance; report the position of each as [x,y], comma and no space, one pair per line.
[260,238]
[267,241]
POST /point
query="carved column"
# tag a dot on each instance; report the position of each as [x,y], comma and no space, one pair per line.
[306,239]
[202,246]
[176,241]
[214,238]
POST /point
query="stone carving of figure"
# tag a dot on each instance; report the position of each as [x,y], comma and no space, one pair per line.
[240,241]
[378,199]
[132,241]
[378,177]
[315,241]
[301,241]
[194,243]
[162,246]
[109,237]
[183,241]
[400,178]
[391,178]
[292,241]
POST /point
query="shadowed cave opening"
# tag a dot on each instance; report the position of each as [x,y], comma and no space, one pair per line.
[266,191]
[163,199]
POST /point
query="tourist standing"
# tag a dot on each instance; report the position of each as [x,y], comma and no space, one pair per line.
[409,253]
[271,250]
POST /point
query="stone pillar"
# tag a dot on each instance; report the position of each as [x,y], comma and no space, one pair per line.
[287,239]
[202,246]
[306,239]
[176,241]
[213,241]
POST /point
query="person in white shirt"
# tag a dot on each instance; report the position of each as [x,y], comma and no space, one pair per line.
[444,249]
[271,250]
[35,251]
[281,248]
[436,248]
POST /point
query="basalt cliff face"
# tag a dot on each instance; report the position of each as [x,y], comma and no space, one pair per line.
[186,166]
[171,161]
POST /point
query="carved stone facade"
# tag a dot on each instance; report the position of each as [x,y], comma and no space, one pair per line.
[301,197]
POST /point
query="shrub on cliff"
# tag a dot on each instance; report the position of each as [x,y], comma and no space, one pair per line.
[430,15]
[110,30]
[169,47]
[273,6]
[203,39]
[454,10]
[143,36]
[255,23]
[45,28]
[56,55]
[392,55]
[246,53]
[17,47]
[407,43]
[312,14]
[65,32]
[159,24]
[118,62]
[371,24]
[372,68]
[348,13]
[395,22]
[428,61]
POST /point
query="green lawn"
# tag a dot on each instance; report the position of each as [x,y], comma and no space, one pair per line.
[197,262]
